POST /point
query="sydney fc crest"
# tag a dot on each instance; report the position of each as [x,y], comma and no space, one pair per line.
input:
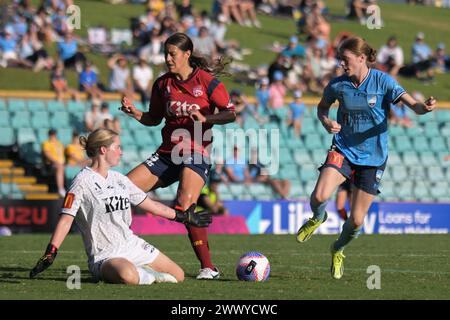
[372,100]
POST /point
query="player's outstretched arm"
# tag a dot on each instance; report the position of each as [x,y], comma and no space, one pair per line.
[417,106]
[197,219]
[60,233]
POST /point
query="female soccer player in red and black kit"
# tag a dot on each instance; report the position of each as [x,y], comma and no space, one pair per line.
[188,96]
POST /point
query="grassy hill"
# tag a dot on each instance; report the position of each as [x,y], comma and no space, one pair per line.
[399,19]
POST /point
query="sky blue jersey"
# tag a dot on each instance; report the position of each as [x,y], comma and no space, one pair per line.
[363,115]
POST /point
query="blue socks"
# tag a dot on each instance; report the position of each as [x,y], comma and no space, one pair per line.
[349,232]
[318,211]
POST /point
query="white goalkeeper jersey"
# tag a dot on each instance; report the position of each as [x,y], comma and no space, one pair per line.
[101,207]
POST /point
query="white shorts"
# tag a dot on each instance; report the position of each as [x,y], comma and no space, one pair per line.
[137,251]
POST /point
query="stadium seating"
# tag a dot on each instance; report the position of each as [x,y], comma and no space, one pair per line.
[416,168]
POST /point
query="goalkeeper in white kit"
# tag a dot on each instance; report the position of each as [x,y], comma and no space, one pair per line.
[99,199]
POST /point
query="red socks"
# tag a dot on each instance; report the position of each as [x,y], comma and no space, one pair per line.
[199,242]
[343,214]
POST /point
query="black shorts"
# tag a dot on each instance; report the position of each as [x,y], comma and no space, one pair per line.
[345,186]
[162,166]
[366,178]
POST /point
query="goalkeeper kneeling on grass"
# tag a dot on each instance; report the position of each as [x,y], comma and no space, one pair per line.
[99,199]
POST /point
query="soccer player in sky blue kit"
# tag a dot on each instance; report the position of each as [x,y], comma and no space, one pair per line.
[359,150]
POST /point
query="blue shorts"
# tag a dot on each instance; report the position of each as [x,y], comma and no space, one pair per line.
[162,166]
[366,178]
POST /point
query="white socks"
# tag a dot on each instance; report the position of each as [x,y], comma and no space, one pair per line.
[147,276]
[144,276]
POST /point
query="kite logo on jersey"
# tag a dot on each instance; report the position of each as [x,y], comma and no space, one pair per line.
[116,203]
[197,91]
[372,100]
[68,201]
[181,109]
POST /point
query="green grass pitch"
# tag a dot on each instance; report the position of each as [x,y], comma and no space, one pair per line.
[412,267]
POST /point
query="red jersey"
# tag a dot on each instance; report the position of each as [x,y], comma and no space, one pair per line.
[173,99]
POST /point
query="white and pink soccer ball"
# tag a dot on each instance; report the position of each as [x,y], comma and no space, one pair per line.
[253,266]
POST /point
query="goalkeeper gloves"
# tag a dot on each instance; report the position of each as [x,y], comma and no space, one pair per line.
[45,261]
[197,219]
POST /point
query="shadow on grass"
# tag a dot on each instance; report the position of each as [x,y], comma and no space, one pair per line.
[9,275]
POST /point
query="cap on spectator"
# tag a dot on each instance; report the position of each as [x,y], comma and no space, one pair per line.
[278,75]
[293,39]
[264,81]
[297,94]
[441,46]
[51,132]
[420,35]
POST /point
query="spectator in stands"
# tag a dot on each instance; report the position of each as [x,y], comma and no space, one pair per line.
[113,124]
[441,61]
[8,49]
[54,159]
[142,80]
[42,23]
[236,168]
[390,57]
[281,63]
[151,52]
[60,85]
[120,80]
[316,24]
[93,119]
[243,107]
[184,8]
[277,91]
[74,152]
[209,198]
[69,54]
[204,44]
[59,22]
[399,116]
[33,51]
[294,48]
[248,14]
[422,58]
[296,111]
[230,47]
[357,9]
[262,95]
[88,82]
[105,114]
[259,174]
[230,10]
